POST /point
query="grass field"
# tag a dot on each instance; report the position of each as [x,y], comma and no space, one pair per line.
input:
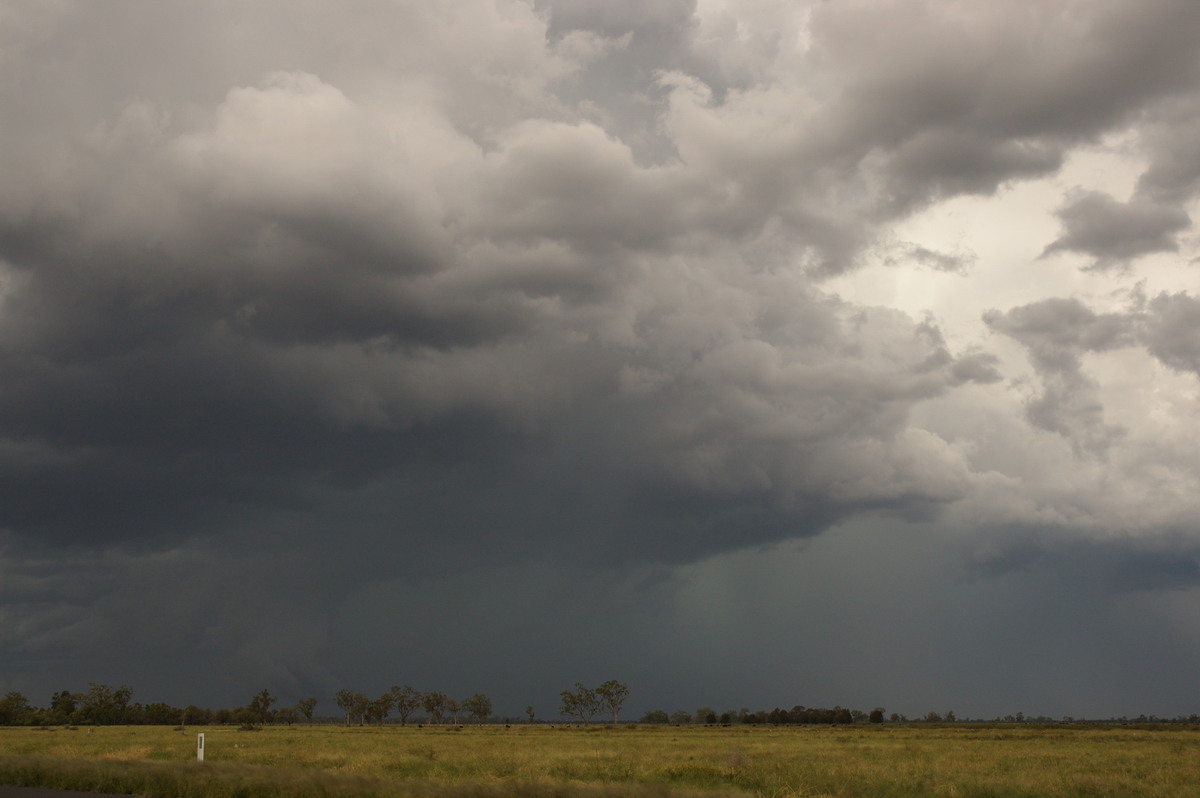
[954,760]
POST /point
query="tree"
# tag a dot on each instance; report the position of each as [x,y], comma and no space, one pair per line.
[287,715]
[64,702]
[434,704]
[405,700]
[362,705]
[305,707]
[529,713]
[612,694]
[102,705]
[580,703]
[14,709]
[260,707]
[452,709]
[680,717]
[346,701]
[194,714]
[656,716]
[378,709]
[876,715]
[479,705]
[158,714]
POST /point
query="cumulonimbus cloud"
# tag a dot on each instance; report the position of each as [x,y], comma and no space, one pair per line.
[553,278]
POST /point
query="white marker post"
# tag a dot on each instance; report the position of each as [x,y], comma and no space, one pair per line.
[199,747]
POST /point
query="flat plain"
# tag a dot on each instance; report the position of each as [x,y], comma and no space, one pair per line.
[1001,760]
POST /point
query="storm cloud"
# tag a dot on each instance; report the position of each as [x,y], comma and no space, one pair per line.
[477,322]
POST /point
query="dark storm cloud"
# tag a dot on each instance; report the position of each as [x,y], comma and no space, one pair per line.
[285,273]
[1111,567]
[1173,175]
[896,105]
[1172,331]
[1057,333]
[963,101]
[1115,232]
[419,293]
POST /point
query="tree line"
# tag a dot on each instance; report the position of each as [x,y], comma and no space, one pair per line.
[438,706]
[776,717]
[101,705]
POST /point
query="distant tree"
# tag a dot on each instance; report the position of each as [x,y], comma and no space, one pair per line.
[681,716]
[194,714]
[580,703]
[362,706]
[405,700]
[64,702]
[452,709]
[378,709]
[479,705]
[435,705]
[726,718]
[14,709]
[157,714]
[932,717]
[876,715]
[287,715]
[103,705]
[529,713]
[305,707]
[703,714]
[656,716]
[260,707]
[346,701]
[950,717]
[612,695]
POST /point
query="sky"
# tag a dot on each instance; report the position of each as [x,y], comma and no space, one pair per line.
[750,353]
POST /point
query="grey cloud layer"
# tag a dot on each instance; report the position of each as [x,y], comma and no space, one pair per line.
[211,298]
[469,283]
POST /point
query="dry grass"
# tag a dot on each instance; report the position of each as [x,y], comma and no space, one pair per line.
[960,760]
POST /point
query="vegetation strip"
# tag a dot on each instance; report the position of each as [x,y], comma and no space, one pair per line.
[993,761]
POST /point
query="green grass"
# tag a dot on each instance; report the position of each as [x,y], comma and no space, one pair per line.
[672,762]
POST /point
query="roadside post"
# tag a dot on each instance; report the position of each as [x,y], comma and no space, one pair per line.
[200,747]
